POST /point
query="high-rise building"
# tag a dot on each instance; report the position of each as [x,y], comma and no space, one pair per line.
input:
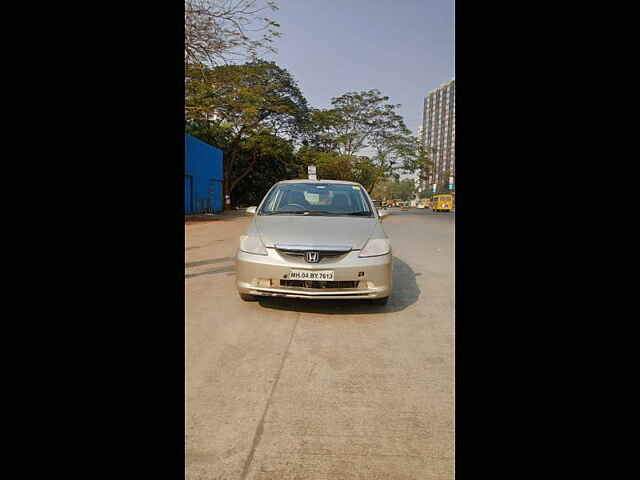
[439,133]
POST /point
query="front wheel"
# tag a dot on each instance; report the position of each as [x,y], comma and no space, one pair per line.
[247,297]
[380,301]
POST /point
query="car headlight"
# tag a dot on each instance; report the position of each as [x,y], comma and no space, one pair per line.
[376,247]
[252,245]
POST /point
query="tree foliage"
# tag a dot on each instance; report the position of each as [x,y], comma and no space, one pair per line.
[257,115]
[265,159]
[245,97]
[245,106]
[391,188]
[360,120]
[319,131]
[218,32]
[405,189]
[363,130]
[420,162]
[328,164]
[334,166]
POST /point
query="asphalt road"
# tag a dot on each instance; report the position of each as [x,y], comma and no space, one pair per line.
[283,389]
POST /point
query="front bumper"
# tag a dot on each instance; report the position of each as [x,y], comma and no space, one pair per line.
[373,274]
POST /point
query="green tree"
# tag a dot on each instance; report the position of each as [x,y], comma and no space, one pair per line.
[332,165]
[389,188]
[363,119]
[239,102]
[265,159]
[419,163]
[361,123]
[384,189]
[319,130]
[404,189]
[328,164]
[366,172]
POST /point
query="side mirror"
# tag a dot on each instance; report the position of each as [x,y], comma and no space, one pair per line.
[251,210]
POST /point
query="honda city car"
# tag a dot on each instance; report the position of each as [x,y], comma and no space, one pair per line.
[315,239]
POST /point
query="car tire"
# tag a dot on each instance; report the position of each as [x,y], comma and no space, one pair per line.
[380,301]
[248,298]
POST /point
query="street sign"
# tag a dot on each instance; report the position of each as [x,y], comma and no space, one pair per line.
[311,170]
[435,186]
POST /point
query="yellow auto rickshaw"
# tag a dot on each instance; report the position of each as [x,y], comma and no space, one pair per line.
[442,203]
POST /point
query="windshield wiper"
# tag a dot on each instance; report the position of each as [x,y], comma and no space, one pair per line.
[362,214]
[320,212]
[286,212]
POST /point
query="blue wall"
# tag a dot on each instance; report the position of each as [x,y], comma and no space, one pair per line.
[202,176]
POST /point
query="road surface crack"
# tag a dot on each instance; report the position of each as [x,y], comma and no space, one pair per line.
[260,428]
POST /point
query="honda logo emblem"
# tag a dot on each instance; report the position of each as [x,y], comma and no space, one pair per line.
[312,257]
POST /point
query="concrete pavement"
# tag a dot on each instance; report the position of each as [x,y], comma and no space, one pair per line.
[283,389]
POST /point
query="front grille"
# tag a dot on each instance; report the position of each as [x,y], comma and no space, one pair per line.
[325,252]
[321,255]
[318,284]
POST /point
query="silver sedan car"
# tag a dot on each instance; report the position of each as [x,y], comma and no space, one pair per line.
[315,239]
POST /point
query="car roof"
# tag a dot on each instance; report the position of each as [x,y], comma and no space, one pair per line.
[306,180]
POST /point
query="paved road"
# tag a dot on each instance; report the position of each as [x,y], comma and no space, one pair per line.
[283,389]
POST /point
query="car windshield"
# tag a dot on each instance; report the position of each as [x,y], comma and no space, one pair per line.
[325,199]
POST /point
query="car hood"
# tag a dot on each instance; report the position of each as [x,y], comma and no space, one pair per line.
[315,230]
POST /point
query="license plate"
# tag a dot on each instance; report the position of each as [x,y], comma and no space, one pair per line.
[311,275]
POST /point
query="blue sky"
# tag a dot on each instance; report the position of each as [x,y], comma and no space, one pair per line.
[404,48]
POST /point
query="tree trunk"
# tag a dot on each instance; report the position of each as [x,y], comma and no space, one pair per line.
[373,185]
[225,192]
[227,180]
[244,174]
